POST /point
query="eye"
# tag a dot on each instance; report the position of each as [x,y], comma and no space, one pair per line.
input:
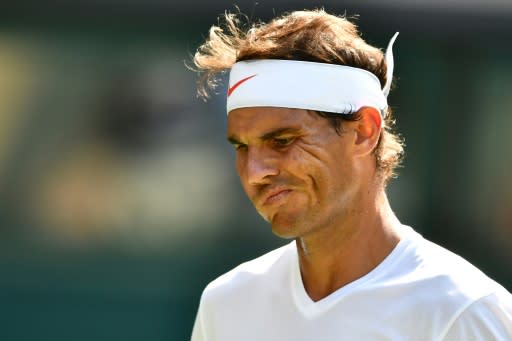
[283,141]
[239,146]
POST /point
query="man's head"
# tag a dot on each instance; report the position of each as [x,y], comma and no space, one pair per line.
[308,36]
[302,167]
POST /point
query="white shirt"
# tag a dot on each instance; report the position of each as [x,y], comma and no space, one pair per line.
[420,291]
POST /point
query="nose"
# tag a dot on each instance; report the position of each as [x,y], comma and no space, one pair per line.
[260,166]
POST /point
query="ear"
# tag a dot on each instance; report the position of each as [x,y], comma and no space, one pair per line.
[367,129]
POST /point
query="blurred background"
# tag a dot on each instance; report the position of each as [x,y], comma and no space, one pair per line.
[119,200]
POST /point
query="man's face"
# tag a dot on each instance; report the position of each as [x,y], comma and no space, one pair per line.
[297,171]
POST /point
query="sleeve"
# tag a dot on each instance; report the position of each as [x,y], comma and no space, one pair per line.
[198,330]
[489,318]
[203,330]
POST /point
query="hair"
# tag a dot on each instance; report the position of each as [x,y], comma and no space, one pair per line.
[314,36]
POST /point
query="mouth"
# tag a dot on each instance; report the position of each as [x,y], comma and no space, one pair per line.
[275,196]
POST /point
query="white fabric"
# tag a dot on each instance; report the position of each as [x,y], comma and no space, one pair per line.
[303,85]
[489,318]
[419,292]
[390,65]
[308,85]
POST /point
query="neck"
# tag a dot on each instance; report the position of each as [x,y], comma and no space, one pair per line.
[336,255]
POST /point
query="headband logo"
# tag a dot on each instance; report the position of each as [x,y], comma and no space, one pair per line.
[237,84]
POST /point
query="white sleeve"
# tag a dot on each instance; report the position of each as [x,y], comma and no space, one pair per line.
[202,330]
[489,318]
[198,331]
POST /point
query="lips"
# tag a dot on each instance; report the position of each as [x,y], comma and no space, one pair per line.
[274,196]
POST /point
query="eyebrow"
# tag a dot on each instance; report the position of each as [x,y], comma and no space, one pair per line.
[278,132]
[234,139]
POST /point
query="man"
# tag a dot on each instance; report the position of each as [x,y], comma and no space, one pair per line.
[308,117]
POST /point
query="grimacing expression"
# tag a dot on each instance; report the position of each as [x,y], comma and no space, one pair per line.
[296,169]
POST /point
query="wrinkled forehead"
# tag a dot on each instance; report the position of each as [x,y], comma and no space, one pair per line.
[255,120]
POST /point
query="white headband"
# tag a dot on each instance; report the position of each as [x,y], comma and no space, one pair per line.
[307,85]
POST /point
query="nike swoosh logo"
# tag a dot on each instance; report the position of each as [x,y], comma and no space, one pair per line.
[237,84]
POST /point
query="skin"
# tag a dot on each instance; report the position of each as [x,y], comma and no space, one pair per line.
[319,187]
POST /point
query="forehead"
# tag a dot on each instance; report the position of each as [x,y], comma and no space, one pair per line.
[257,119]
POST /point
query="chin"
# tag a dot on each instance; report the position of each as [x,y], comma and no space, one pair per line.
[284,227]
[287,221]
[285,234]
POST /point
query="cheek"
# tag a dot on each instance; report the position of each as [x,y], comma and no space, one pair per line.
[239,162]
[241,170]
[312,168]
[241,165]
[326,178]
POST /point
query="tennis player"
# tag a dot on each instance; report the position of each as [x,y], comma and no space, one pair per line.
[309,120]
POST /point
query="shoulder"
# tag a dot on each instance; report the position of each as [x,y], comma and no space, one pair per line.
[442,291]
[454,271]
[226,298]
[448,272]
[444,280]
[488,318]
[479,308]
[435,278]
[251,275]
